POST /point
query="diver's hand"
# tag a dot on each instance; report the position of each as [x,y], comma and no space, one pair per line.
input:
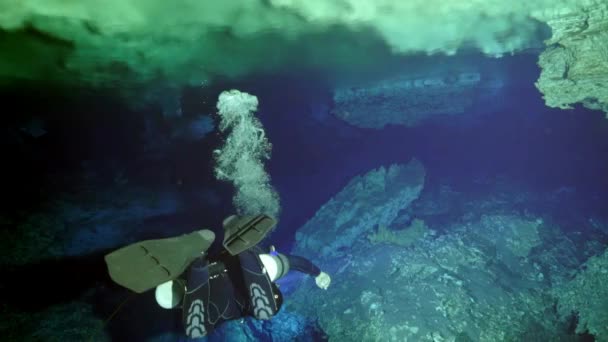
[323,280]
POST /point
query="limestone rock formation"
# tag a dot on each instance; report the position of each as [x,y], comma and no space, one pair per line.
[587,296]
[575,64]
[406,101]
[369,200]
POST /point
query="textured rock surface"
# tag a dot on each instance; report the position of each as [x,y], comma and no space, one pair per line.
[489,277]
[367,201]
[78,225]
[587,296]
[575,65]
[124,44]
[463,285]
[74,321]
[406,101]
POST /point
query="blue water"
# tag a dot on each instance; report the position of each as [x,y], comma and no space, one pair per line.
[509,134]
[514,135]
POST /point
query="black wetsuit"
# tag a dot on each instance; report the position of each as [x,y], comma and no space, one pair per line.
[303,265]
[230,287]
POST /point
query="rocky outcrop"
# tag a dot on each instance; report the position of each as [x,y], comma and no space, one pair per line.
[492,274]
[76,225]
[587,296]
[73,321]
[367,201]
[406,100]
[575,64]
[482,281]
[130,44]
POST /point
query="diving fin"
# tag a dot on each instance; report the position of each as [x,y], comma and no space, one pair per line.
[146,264]
[244,232]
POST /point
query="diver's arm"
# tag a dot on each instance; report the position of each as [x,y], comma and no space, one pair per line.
[303,265]
[276,265]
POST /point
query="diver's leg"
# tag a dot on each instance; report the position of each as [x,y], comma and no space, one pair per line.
[196,300]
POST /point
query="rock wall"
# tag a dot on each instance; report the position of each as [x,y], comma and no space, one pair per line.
[367,201]
[587,297]
[575,64]
[406,100]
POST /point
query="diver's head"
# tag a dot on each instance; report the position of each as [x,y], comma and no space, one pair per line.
[275,264]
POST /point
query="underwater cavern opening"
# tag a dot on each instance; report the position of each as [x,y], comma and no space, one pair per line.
[434,177]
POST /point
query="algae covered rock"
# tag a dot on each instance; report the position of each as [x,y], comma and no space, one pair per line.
[587,297]
[133,44]
[470,283]
[575,64]
[482,279]
[407,101]
[367,201]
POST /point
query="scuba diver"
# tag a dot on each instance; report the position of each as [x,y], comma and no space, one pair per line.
[238,281]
